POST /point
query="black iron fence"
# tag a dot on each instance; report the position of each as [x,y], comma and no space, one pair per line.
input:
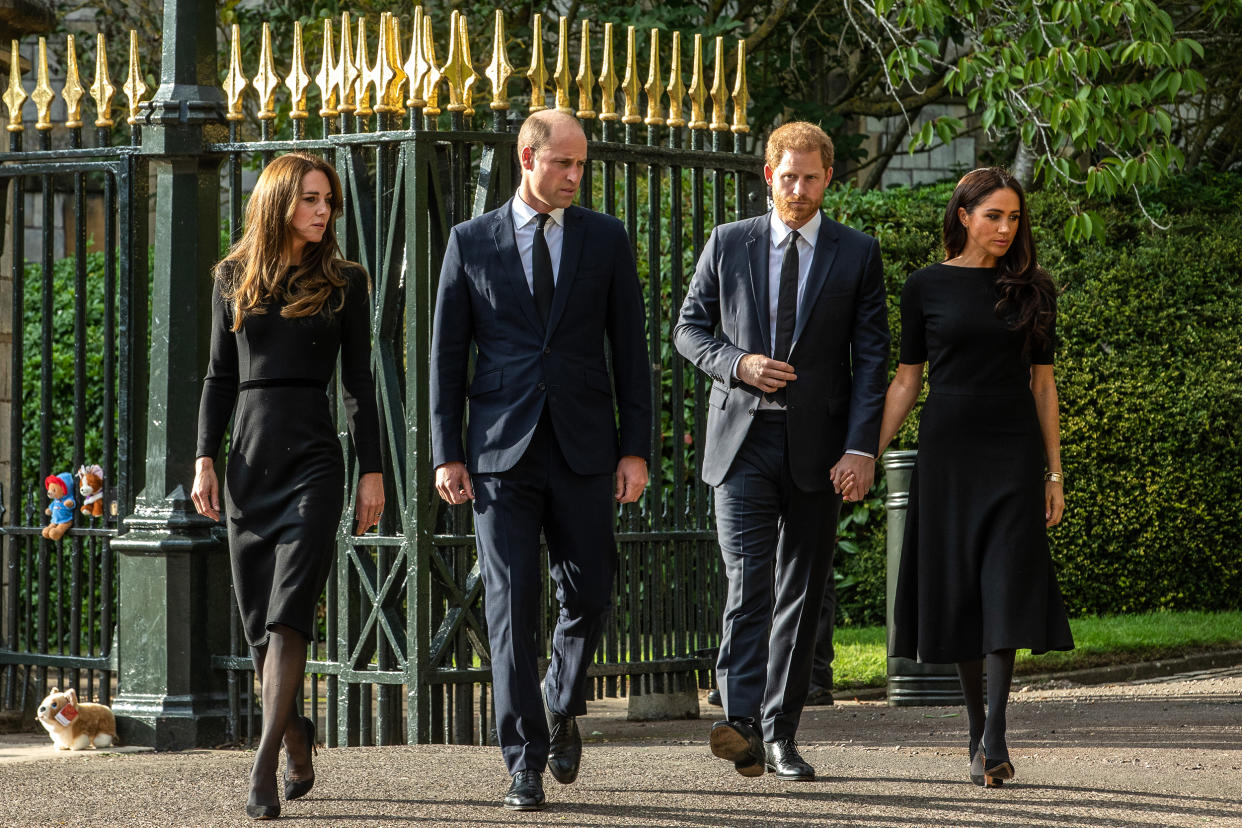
[401,653]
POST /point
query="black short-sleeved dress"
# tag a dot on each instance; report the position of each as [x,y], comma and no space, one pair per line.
[976,575]
[285,483]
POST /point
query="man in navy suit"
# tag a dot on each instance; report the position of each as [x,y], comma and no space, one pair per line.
[799,372]
[543,289]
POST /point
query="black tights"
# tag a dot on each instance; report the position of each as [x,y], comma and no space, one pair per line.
[279,666]
[987,728]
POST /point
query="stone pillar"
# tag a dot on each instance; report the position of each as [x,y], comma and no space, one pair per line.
[173,564]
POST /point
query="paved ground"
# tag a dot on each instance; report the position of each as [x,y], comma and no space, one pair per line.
[1160,752]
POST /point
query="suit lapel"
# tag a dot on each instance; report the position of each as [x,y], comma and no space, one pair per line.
[757,252]
[511,260]
[571,251]
[821,263]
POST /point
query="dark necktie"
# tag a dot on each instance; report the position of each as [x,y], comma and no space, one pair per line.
[541,270]
[786,309]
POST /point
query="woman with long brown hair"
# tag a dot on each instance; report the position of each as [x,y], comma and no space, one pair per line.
[976,580]
[284,305]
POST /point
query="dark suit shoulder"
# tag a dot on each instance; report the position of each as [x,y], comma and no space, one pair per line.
[741,230]
[481,225]
[594,220]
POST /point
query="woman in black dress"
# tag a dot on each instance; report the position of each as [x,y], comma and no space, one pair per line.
[976,579]
[284,306]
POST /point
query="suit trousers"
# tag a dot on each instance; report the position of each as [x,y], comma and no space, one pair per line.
[777,542]
[576,513]
[821,665]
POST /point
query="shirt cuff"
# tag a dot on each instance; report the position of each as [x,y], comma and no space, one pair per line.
[860,453]
[733,372]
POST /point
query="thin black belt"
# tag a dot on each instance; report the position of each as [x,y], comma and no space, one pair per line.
[282,382]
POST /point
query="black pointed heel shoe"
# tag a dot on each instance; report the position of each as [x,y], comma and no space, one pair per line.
[256,811]
[995,773]
[976,767]
[298,788]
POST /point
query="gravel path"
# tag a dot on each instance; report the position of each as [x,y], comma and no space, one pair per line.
[1165,752]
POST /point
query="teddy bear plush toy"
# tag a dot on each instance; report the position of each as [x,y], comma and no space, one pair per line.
[90,486]
[60,492]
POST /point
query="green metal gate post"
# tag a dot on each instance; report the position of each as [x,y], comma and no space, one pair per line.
[173,568]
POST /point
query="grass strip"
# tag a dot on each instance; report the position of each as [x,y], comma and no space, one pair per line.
[1099,641]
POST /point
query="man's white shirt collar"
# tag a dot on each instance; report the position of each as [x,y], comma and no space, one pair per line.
[808,231]
[524,214]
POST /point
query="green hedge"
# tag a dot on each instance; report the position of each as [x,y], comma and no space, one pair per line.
[1149,369]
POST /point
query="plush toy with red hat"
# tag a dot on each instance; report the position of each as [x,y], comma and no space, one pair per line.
[60,492]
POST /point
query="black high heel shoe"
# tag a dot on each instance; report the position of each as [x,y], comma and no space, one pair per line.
[256,811]
[976,765]
[995,773]
[298,788]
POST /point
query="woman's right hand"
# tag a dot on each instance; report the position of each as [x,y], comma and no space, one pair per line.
[206,490]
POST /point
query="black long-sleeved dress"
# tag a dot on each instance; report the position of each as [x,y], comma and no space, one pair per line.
[285,482]
[976,575]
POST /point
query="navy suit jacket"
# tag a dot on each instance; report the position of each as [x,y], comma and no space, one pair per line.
[521,367]
[840,346]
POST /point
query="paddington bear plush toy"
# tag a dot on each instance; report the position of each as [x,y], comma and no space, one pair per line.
[60,491]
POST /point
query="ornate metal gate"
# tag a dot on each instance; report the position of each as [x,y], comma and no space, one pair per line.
[402,652]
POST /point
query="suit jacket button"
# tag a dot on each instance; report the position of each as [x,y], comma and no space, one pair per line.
[547,351]
[543,386]
[752,411]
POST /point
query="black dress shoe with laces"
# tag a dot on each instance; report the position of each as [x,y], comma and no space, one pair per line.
[713,697]
[526,792]
[564,747]
[782,758]
[737,742]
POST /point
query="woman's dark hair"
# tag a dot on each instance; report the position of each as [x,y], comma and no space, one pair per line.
[1026,297]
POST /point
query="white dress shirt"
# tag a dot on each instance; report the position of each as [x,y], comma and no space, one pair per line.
[524,224]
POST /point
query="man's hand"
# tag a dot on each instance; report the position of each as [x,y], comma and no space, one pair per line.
[763,373]
[852,476]
[631,478]
[453,483]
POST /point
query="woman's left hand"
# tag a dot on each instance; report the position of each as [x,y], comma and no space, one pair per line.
[1054,502]
[369,504]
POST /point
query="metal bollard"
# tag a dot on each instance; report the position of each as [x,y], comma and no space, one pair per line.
[910,682]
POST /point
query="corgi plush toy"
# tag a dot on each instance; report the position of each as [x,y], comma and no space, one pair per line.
[75,725]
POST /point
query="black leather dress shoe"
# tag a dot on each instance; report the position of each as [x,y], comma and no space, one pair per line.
[782,758]
[526,792]
[564,747]
[819,697]
[713,697]
[737,742]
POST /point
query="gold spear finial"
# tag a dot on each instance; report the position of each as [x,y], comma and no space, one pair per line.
[561,75]
[102,89]
[500,69]
[719,124]
[468,92]
[235,82]
[396,100]
[740,93]
[654,84]
[135,87]
[345,72]
[586,77]
[266,80]
[381,74]
[416,65]
[43,94]
[698,88]
[327,91]
[73,93]
[362,87]
[431,80]
[538,73]
[608,80]
[676,88]
[457,70]
[15,95]
[298,81]
[630,85]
